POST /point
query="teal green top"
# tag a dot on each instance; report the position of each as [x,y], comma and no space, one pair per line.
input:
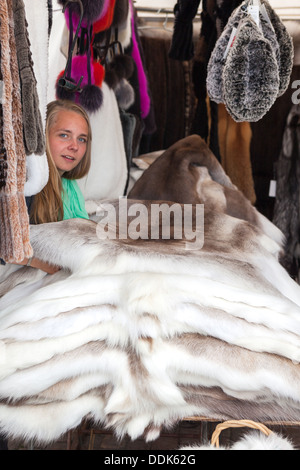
[73,200]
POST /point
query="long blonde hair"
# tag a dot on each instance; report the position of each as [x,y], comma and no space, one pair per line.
[47,205]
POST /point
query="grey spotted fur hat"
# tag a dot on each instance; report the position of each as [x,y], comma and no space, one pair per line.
[217,61]
[286,48]
[272,41]
[250,75]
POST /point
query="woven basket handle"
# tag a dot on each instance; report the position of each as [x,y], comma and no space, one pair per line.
[237,424]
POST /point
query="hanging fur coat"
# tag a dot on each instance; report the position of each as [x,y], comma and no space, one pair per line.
[287,209]
[229,141]
[14,220]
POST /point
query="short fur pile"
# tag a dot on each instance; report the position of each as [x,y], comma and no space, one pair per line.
[138,334]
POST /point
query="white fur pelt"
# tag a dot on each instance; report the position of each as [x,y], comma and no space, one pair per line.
[57,57]
[108,173]
[251,441]
[37,16]
[138,334]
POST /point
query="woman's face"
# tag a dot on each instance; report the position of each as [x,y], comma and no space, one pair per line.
[67,140]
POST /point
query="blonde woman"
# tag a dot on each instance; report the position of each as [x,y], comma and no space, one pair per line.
[68,147]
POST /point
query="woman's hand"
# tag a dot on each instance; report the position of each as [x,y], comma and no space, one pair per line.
[38,264]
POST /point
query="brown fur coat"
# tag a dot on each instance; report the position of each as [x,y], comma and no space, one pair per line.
[14,221]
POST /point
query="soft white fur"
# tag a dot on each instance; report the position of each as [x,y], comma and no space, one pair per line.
[139,336]
[36,11]
[57,59]
[251,441]
[108,173]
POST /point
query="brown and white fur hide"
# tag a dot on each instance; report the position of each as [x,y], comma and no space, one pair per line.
[138,334]
[189,173]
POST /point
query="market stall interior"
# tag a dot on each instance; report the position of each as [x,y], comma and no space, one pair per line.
[176,305]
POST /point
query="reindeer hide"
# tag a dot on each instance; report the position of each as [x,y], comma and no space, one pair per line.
[138,334]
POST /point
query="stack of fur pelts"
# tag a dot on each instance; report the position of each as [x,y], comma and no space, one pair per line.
[251,63]
[136,334]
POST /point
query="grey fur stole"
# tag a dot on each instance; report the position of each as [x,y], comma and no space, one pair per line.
[287,205]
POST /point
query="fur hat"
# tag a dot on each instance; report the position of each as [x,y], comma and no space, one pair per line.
[250,76]
[281,48]
[286,48]
[216,62]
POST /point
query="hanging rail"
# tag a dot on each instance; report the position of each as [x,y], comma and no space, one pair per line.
[284,12]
